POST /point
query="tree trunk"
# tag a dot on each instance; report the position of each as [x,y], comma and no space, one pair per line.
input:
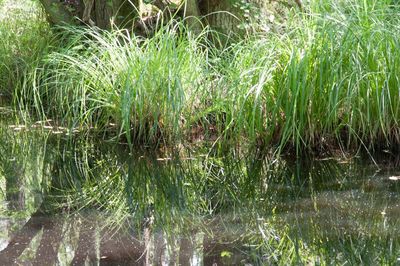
[120,13]
[192,13]
[221,15]
[230,15]
[104,12]
[57,13]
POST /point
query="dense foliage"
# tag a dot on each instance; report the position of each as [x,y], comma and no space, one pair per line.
[326,78]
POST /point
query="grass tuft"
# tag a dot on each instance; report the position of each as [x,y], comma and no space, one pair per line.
[24,37]
[328,80]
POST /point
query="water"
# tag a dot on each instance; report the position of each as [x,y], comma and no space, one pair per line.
[82,201]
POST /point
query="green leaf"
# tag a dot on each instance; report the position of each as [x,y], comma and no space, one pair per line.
[226,253]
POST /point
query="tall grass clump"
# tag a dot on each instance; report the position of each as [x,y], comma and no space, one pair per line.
[24,35]
[330,78]
[104,78]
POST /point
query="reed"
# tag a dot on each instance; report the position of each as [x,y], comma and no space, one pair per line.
[329,80]
[102,78]
[24,37]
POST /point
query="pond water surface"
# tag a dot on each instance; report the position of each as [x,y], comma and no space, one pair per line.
[77,201]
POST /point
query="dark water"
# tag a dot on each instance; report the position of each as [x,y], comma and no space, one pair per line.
[81,201]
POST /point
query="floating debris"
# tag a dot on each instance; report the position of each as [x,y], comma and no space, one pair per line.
[163,159]
[17,128]
[394,178]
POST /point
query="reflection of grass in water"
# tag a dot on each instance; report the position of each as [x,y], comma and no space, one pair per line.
[23,171]
[283,212]
[274,213]
[144,186]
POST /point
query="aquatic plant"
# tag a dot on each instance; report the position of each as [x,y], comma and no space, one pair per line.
[331,77]
[24,37]
[327,80]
